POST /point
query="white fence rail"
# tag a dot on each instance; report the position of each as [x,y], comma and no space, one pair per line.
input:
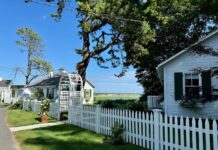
[152,130]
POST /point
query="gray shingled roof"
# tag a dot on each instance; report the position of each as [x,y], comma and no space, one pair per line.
[5,83]
[17,86]
[54,81]
[49,82]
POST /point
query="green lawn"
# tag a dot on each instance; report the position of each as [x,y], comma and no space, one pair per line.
[105,96]
[4,104]
[17,117]
[65,137]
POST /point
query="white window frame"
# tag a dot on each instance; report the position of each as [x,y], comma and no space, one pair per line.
[200,81]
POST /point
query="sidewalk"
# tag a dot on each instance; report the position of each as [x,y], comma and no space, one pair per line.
[35,126]
[7,141]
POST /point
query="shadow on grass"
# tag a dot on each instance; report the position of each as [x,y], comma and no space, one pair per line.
[68,137]
[37,119]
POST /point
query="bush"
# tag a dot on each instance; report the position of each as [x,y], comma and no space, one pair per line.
[137,106]
[108,104]
[124,104]
[117,134]
[188,103]
[17,105]
[45,105]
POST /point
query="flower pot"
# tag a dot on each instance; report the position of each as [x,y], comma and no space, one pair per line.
[44,118]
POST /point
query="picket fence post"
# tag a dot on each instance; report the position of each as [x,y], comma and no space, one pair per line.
[157,113]
[97,122]
[34,106]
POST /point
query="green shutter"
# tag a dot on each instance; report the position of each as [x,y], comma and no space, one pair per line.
[90,93]
[206,85]
[178,82]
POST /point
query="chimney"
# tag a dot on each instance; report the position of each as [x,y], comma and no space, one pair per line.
[62,71]
[51,74]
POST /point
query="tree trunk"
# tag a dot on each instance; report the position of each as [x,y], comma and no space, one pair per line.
[29,63]
[82,67]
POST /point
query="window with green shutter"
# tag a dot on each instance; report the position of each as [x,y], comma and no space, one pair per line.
[192,86]
[178,82]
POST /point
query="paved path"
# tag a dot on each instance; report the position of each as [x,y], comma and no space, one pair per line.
[7,141]
[35,126]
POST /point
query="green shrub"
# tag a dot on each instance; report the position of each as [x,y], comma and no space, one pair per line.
[124,104]
[108,104]
[188,103]
[17,105]
[117,134]
[137,106]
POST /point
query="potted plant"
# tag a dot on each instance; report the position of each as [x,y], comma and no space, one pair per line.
[45,105]
[188,102]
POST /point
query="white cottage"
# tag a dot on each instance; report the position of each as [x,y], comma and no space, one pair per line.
[5,91]
[49,87]
[183,80]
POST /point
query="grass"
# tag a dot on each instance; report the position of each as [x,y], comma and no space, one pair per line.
[4,104]
[67,137]
[17,117]
[105,96]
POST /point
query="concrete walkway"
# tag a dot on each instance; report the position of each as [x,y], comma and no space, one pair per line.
[7,141]
[35,126]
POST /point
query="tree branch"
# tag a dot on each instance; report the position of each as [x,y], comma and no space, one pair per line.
[32,79]
[114,40]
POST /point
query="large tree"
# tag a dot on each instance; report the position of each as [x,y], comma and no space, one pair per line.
[113,31]
[143,33]
[33,46]
[194,20]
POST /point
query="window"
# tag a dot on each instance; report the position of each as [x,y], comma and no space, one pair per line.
[13,93]
[87,94]
[47,93]
[192,86]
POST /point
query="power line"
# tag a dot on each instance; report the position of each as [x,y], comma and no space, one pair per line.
[103,15]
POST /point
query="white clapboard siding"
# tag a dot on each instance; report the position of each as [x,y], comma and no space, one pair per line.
[154,131]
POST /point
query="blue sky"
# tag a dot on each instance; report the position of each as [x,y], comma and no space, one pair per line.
[61,39]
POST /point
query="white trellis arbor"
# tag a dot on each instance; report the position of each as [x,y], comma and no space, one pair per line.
[71,93]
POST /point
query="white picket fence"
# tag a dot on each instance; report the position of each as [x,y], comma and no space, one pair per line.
[54,111]
[32,105]
[35,106]
[153,130]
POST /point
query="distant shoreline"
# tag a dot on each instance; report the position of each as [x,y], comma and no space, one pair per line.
[120,93]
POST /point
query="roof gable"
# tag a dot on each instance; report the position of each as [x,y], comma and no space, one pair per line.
[87,81]
[186,49]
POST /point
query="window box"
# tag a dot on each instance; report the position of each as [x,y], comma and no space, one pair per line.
[191,103]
